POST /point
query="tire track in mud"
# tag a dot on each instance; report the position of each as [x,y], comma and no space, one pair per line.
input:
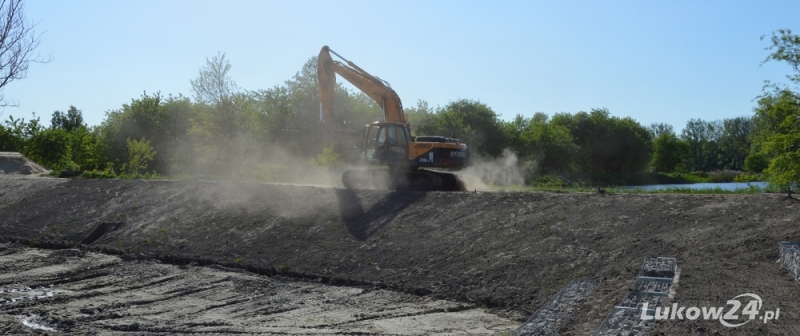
[94,292]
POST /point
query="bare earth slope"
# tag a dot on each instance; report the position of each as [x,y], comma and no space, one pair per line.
[14,163]
[507,251]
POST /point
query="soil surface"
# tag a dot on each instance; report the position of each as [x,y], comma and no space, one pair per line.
[506,251]
[84,293]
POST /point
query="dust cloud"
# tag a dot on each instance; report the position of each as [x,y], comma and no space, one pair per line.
[269,162]
[492,173]
[257,161]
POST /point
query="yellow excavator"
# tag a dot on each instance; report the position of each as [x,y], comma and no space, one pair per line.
[408,160]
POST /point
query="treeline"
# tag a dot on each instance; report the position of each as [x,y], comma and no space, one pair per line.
[220,131]
[224,130]
[593,142]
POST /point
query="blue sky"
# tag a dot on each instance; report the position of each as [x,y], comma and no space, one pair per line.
[655,61]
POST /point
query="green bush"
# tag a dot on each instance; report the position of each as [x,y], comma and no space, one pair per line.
[51,148]
[756,163]
[98,174]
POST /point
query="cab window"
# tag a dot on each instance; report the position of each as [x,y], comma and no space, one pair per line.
[372,137]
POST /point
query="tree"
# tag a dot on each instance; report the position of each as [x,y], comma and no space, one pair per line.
[87,152]
[7,140]
[549,144]
[657,128]
[779,114]
[213,91]
[669,153]
[328,158]
[734,143]
[164,121]
[703,138]
[51,148]
[17,133]
[475,123]
[18,40]
[756,163]
[69,121]
[213,85]
[607,144]
[513,133]
[140,154]
[785,47]
[421,118]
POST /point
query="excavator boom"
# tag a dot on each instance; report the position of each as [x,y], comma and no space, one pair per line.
[376,88]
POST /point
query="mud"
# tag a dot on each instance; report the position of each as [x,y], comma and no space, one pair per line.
[505,251]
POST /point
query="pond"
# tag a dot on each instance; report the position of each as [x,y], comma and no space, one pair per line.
[730,186]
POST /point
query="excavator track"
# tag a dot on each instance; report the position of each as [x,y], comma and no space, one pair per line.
[417,180]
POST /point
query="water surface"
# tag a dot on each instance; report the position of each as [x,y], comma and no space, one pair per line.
[728,186]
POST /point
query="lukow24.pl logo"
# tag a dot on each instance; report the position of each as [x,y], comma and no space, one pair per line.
[730,317]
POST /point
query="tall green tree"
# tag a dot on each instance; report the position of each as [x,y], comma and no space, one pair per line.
[475,123]
[785,47]
[607,144]
[779,140]
[87,152]
[221,112]
[703,138]
[735,142]
[548,144]
[670,153]
[778,116]
[422,118]
[72,119]
[657,129]
[51,148]
[16,133]
[164,121]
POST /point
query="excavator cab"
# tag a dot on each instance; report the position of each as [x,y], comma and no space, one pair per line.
[386,144]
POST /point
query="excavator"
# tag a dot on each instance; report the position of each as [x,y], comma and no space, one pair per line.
[395,159]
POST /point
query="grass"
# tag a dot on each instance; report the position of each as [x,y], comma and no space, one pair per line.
[620,190]
[640,178]
[110,174]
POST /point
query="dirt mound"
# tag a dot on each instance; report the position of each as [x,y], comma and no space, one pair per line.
[14,163]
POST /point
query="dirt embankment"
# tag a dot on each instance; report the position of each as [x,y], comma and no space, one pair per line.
[508,251]
[13,163]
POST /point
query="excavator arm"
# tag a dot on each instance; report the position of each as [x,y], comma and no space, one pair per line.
[376,88]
